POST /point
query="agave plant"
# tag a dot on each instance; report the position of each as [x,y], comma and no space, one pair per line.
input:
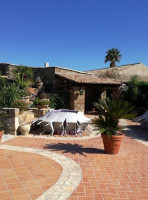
[110,111]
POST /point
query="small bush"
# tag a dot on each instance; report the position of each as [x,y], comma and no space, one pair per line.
[39,101]
[56,101]
[21,104]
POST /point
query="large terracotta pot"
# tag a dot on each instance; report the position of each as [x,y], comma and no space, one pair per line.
[1,134]
[112,144]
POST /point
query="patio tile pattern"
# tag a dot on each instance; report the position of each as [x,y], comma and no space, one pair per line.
[64,186]
[26,175]
[104,177]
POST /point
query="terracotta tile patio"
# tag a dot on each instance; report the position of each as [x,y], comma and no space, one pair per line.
[26,175]
[104,177]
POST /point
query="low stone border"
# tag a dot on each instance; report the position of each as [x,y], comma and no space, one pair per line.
[70,177]
[9,137]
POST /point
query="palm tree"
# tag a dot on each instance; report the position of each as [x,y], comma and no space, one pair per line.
[113,55]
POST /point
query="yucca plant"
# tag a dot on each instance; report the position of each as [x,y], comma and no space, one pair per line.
[110,111]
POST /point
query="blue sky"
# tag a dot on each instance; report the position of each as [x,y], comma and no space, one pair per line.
[73,33]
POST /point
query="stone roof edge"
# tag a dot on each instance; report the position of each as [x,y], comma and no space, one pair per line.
[81,72]
[101,83]
[101,69]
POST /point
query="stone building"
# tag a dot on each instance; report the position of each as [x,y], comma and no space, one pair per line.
[83,88]
[123,72]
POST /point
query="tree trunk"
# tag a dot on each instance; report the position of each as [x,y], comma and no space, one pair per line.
[112,64]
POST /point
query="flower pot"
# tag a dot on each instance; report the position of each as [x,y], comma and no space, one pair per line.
[24,129]
[42,106]
[1,134]
[112,144]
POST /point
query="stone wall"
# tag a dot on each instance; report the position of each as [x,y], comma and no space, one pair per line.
[77,99]
[7,69]
[11,122]
[124,72]
[93,93]
[14,119]
[116,92]
[138,69]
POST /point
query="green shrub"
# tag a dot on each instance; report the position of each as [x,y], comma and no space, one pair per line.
[39,101]
[58,101]
[137,94]
[2,82]
[10,93]
[21,104]
[25,73]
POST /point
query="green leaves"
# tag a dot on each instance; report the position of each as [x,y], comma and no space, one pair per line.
[39,101]
[113,55]
[24,72]
[2,115]
[56,101]
[2,83]
[21,104]
[9,93]
[137,93]
[105,125]
[110,111]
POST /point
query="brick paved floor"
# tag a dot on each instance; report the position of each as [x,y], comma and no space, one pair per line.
[25,176]
[105,177]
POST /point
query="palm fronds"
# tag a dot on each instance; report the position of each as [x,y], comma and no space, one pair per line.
[110,111]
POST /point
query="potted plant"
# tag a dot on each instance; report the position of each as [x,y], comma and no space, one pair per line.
[43,104]
[110,111]
[21,104]
[40,103]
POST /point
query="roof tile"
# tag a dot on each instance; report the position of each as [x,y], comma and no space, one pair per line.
[88,79]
